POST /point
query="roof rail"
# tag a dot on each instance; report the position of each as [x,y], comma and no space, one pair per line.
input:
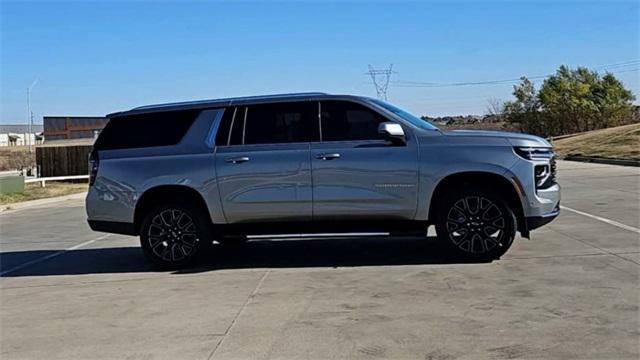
[203,102]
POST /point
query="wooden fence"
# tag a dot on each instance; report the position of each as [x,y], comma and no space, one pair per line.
[63,160]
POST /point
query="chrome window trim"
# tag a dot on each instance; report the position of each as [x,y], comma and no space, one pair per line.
[244,123]
[320,140]
[233,118]
[319,121]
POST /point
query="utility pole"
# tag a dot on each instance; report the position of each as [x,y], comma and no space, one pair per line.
[30,114]
[380,79]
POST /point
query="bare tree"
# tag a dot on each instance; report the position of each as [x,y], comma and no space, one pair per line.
[495,107]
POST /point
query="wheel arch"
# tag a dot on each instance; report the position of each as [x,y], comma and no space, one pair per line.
[501,184]
[163,194]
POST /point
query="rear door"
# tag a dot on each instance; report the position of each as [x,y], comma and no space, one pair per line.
[263,165]
[356,173]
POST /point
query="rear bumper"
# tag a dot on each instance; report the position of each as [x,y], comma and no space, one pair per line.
[113,227]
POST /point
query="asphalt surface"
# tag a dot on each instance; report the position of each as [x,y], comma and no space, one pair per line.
[570,292]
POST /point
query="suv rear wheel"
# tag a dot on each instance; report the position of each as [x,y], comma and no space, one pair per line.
[172,235]
[476,224]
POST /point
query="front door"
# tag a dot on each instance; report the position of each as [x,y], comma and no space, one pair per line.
[263,168]
[356,173]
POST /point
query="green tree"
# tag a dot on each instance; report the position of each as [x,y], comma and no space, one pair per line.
[525,111]
[615,102]
[570,101]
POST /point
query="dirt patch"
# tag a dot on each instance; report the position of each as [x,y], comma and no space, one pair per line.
[16,157]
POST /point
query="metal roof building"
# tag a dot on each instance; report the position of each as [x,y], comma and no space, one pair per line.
[20,128]
[72,127]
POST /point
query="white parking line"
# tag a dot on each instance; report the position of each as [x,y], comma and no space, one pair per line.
[51,256]
[608,221]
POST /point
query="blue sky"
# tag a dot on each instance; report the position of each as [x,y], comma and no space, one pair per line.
[96,57]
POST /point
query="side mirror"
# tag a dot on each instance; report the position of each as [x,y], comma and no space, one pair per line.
[392,132]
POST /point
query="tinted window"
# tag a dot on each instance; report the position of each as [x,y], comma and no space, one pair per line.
[281,123]
[342,120]
[222,136]
[146,130]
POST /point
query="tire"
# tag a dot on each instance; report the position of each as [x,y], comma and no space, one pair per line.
[173,235]
[475,224]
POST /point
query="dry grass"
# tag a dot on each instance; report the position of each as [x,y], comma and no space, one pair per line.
[622,142]
[16,157]
[34,191]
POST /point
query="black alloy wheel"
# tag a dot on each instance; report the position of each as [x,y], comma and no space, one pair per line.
[171,235]
[476,225]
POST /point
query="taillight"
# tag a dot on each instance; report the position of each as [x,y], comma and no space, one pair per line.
[94,163]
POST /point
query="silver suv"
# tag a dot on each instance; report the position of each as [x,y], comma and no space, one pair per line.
[184,175]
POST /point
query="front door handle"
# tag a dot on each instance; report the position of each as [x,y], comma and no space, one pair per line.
[237,160]
[327,156]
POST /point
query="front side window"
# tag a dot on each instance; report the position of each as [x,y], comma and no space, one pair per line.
[424,124]
[348,121]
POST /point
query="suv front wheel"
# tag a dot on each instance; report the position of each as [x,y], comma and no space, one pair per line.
[476,224]
[172,235]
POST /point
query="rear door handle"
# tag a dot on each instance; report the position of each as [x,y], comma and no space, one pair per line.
[237,160]
[328,156]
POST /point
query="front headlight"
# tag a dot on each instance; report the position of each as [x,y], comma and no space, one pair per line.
[533,153]
[545,171]
[542,174]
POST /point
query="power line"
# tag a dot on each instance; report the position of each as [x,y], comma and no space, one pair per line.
[380,79]
[622,66]
[436,85]
[488,82]
[624,71]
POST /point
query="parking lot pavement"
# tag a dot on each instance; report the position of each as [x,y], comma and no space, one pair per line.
[606,190]
[570,292]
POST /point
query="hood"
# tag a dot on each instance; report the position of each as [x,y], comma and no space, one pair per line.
[516,139]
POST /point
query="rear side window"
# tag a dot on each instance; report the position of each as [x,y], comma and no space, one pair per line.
[222,137]
[280,123]
[348,121]
[146,130]
[231,127]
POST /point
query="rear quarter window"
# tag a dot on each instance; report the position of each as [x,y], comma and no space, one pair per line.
[146,130]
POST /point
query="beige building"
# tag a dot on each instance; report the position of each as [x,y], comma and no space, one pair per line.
[20,135]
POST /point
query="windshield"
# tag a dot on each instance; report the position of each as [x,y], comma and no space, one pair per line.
[424,124]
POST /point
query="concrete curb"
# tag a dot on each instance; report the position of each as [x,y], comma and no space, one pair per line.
[31,203]
[599,160]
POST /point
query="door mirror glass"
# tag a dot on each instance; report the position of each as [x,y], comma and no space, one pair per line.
[392,132]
